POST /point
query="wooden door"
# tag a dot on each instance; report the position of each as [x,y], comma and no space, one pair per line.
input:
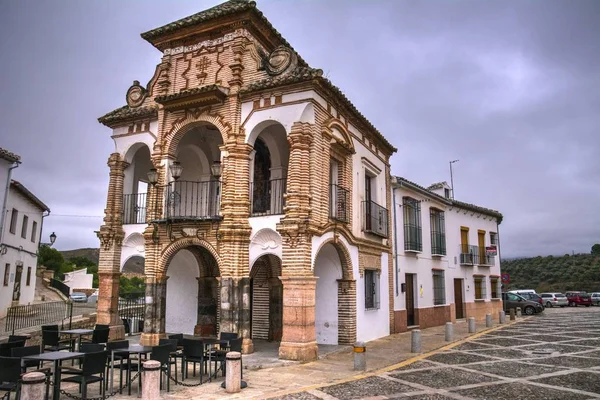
[458,299]
[481,243]
[464,240]
[410,300]
[17,286]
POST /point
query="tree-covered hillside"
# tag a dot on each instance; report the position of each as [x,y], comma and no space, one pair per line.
[554,274]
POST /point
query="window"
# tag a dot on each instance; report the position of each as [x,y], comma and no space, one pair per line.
[24,227]
[479,288]
[438,232]
[13,221]
[28,281]
[6,274]
[439,288]
[412,224]
[371,289]
[447,193]
[495,284]
[34,231]
[493,238]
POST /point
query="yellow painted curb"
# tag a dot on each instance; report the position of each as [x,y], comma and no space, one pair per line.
[400,364]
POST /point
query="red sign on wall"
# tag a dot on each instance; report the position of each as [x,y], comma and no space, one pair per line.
[505,278]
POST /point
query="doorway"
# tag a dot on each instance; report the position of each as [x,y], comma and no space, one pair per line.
[17,286]
[458,298]
[410,300]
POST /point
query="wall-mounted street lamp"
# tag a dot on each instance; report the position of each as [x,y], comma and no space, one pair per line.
[52,240]
[153,176]
[176,169]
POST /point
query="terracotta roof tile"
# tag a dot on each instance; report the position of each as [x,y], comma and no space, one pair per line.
[30,196]
[9,156]
[125,113]
[437,185]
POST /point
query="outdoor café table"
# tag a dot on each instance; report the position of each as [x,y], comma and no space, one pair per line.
[57,357]
[79,333]
[132,349]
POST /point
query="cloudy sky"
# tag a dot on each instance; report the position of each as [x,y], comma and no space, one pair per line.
[511,89]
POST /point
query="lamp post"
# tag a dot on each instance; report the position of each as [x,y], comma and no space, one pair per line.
[452,177]
[52,240]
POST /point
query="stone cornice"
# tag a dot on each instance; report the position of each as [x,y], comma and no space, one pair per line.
[125,114]
[202,96]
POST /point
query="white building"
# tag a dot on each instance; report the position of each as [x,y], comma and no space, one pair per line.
[78,279]
[446,265]
[22,227]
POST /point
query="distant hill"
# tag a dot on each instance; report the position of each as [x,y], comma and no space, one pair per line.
[551,273]
[91,254]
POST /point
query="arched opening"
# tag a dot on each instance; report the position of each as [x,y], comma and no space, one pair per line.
[267,298]
[268,170]
[135,184]
[192,299]
[134,266]
[196,193]
[328,268]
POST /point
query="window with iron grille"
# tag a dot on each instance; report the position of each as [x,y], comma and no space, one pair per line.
[412,224]
[439,288]
[13,221]
[495,286]
[24,227]
[6,274]
[493,238]
[438,231]
[371,289]
[480,293]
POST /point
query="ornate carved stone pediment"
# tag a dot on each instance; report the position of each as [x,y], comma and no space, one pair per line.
[281,60]
[135,95]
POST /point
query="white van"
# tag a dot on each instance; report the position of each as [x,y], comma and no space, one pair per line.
[522,291]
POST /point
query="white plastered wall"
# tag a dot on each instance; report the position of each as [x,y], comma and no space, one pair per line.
[182,293]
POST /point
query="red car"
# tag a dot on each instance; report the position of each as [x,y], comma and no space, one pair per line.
[579,299]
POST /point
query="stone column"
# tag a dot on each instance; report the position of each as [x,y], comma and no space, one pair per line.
[346,311]
[207,307]
[154,318]
[235,309]
[299,337]
[111,236]
[33,386]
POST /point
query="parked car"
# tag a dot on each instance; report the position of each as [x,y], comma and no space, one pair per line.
[579,299]
[513,300]
[78,297]
[555,299]
[533,297]
[596,299]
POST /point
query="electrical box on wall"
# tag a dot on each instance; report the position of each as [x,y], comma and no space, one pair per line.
[403,287]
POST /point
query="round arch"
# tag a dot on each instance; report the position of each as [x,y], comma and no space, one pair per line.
[134,264]
[260,127]
[131,151]
[345,140]
[172,249]
[190,121]
[343,254]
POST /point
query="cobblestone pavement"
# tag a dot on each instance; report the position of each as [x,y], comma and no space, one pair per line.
[555,355]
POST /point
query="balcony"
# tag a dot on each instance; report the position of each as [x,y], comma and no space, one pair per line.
[188,200]
[485,260]
[267,197]
[338,203]
[375,219]
[438,244]
[469,255]
[134,208]
[413,239]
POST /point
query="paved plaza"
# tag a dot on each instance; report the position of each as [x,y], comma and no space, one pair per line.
[551,356]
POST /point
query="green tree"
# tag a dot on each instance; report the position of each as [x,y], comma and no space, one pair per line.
[50,258]
[596,249]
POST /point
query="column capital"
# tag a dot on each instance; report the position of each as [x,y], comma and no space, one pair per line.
[116,163]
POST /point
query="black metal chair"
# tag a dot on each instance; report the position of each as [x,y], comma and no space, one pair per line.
[193,351]
[91,347]
[162,354]
[92,371]
[174,354]
[228,335]
[220,356]
[10,374]
[51,341]
[100,335]
[49,328]
[120,357]
[5,348]
[179,338]
[17,338]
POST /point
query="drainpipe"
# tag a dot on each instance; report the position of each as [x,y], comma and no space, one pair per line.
[498,247]
[395,239]
[41,230]
[16,165]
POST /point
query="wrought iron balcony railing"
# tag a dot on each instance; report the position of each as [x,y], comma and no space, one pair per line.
[267,197]
[375,219]
[469,255]
[486,260]
[193,200]
[338,203]
[134,208]
[413,239]
[438,243]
